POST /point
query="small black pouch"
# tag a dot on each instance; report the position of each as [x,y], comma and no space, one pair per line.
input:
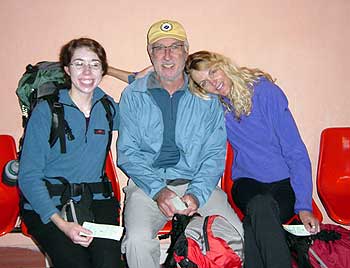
[76,211]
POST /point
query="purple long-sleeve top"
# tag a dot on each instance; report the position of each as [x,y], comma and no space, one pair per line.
[267,144]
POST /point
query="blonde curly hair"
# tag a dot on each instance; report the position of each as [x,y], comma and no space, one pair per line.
[242,79]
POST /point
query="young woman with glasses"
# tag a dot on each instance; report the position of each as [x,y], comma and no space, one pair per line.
[84,62]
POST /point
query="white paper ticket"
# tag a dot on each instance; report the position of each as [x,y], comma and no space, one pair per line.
[178,203]
[103,230]
[298,230]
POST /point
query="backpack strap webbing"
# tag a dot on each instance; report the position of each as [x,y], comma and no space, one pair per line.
[73,189]
[58,126]
[107,106]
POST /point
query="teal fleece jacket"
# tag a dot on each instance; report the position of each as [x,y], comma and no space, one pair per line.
[84,158]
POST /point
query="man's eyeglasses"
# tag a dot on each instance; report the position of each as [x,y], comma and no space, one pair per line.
[93,65]
[174,48]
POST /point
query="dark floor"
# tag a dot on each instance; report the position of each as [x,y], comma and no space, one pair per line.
[12,257]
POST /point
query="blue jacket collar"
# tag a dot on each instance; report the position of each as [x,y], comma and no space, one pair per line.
[149,81]
[64,97]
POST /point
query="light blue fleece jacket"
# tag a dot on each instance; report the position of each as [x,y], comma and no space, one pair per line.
[200,136]
[84,158]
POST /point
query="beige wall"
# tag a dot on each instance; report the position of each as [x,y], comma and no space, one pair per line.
[304,44]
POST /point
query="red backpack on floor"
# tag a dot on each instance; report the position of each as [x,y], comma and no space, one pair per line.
[329,248]
[204,249]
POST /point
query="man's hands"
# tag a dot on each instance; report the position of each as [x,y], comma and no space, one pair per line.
[72,230]
[164,202]
[166,206]
[191,203]
[310,222]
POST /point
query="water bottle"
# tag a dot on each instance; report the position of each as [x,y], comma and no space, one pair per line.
[10,173]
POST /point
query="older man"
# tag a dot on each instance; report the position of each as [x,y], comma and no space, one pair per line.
[171,144]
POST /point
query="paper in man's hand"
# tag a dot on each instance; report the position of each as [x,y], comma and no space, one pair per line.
[178,203]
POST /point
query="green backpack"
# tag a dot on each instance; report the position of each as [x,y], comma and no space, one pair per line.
[40,81]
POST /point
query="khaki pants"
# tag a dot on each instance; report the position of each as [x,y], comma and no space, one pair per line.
[143,220]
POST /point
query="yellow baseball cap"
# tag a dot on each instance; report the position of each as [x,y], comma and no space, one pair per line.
[166,29]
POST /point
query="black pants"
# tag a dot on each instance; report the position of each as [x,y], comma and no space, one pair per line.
[266,206]
[101,253]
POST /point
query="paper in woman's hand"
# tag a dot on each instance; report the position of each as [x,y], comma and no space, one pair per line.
[103,230]
[298,230]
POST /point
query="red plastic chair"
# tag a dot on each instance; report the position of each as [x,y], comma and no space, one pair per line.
[227,183]
[166,229]
[113,177]
[9,195]
[333,174]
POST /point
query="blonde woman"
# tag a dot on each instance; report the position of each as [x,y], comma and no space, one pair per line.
[271,167]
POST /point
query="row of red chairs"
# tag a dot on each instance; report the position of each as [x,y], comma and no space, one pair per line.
[333,176]
[333,180]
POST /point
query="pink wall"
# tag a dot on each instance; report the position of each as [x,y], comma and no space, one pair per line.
[304,44]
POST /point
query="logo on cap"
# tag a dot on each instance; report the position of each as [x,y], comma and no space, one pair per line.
[166,27]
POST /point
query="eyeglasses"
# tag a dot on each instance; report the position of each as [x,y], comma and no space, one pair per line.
[174,48]
[206,84]
[93,65]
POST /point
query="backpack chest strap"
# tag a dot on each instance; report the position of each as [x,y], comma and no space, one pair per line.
[77,189]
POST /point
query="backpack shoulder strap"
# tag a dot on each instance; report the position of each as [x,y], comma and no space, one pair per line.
[208,221]
[57,124]
[108,106]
